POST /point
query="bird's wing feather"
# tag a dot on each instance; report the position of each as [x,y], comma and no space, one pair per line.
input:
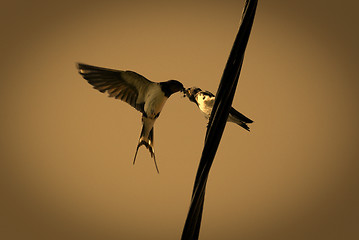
[208,93]
[239,115]
[127,86]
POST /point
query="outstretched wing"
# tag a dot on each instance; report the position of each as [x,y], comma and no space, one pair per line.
[127,86]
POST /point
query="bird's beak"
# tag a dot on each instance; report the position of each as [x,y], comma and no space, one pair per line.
[188,92]
[183,90]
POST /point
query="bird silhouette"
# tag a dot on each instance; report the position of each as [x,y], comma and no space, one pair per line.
[205,100]
[144,95]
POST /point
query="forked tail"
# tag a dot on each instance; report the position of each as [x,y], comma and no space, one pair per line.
[239,122]
[148,143]
[239,118]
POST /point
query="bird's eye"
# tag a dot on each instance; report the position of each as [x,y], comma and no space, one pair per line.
[204,97]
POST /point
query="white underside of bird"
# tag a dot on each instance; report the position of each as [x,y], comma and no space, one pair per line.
[153,106]
[205,104]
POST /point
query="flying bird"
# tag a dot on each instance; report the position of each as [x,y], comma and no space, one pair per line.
[205,101]
[144,95]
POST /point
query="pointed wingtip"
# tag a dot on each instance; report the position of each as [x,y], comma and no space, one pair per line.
[245,126]
[80,65]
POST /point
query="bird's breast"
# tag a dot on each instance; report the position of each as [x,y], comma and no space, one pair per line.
[155,100]
[205,104]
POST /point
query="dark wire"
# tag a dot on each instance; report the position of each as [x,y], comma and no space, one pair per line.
[218,119]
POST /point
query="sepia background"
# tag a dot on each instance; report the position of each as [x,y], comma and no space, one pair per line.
[66,149]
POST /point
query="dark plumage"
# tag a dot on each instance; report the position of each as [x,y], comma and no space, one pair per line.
[144,95]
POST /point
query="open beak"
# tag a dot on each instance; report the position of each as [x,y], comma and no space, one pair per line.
[183,90]
[189,93]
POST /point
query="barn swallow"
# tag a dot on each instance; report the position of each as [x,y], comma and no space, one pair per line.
[205,101]
[144,95]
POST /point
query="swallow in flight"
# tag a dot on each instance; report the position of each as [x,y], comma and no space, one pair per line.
[144,95]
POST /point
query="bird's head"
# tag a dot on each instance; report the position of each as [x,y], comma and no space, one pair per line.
[191,93]
[172,86]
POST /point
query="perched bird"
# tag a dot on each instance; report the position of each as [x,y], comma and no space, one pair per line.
[144,95]
[205,101]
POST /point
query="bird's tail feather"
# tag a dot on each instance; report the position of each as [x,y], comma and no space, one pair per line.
[239,118]
[244,125]
[239,115]
[148,143]
[238,121]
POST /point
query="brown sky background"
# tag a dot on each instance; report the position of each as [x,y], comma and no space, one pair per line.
[66,149]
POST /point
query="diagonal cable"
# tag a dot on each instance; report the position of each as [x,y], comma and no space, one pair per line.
[218,119]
